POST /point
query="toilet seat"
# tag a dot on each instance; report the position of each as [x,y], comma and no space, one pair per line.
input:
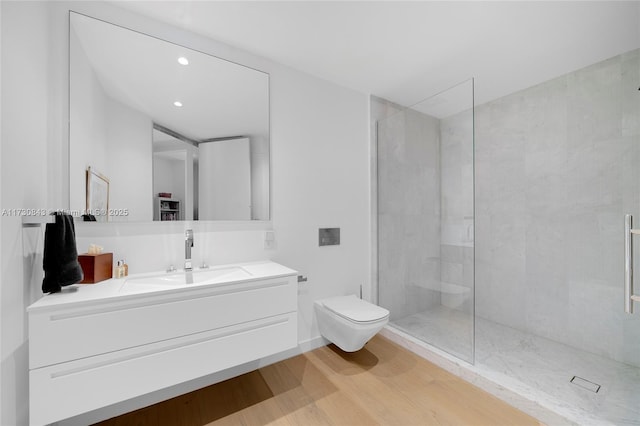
[353,309]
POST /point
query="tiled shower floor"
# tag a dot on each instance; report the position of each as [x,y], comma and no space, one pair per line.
[534,367]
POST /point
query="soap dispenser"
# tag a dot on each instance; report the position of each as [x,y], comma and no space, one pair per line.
[119,269]
[125,268]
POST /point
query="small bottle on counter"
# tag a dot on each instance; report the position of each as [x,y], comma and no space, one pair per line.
[125,269]
[119,270]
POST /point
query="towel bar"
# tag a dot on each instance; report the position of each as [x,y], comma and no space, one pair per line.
[34,221]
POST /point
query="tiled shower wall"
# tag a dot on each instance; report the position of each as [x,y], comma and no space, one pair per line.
[457,221]
[557,167]
[425,209]
[408,164]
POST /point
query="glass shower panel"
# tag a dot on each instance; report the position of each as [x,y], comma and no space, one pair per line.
[425,160]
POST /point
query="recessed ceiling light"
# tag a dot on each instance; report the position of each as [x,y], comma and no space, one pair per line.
[178,103]
[183,61]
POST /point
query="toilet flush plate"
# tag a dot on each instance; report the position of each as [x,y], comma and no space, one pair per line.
[329,236]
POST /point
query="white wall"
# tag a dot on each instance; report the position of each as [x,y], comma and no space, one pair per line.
[88,112]
[111,138]
[129,162]
[26,105]
[320,177]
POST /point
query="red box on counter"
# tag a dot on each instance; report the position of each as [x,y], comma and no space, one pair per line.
[96,267]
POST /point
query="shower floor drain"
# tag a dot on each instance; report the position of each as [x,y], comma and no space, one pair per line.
[585,384]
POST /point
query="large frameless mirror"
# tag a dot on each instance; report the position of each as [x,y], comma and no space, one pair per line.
[176,134]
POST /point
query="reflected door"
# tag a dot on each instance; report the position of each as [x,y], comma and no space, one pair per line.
[224,184]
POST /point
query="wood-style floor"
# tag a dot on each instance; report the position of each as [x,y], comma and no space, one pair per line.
[382,384]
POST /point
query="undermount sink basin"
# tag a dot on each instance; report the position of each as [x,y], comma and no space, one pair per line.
[182,278]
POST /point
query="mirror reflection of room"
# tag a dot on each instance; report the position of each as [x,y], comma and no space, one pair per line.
[186,171]
[174,163]
[181,135]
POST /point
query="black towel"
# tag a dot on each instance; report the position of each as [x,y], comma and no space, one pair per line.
[60,259]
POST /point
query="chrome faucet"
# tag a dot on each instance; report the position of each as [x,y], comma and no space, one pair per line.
[188,243]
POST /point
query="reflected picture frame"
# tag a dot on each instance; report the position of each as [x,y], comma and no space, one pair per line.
[97,195]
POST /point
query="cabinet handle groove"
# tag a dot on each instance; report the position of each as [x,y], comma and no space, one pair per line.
[154,351]
[199,296]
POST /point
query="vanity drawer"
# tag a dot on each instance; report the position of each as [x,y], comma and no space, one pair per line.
[65,390]
[73,333]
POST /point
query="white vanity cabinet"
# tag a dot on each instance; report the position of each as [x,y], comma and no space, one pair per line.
[93,346]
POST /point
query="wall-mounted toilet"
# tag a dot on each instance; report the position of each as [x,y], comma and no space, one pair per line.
[348,321]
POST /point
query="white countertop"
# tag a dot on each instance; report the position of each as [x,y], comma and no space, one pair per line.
[112,289]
